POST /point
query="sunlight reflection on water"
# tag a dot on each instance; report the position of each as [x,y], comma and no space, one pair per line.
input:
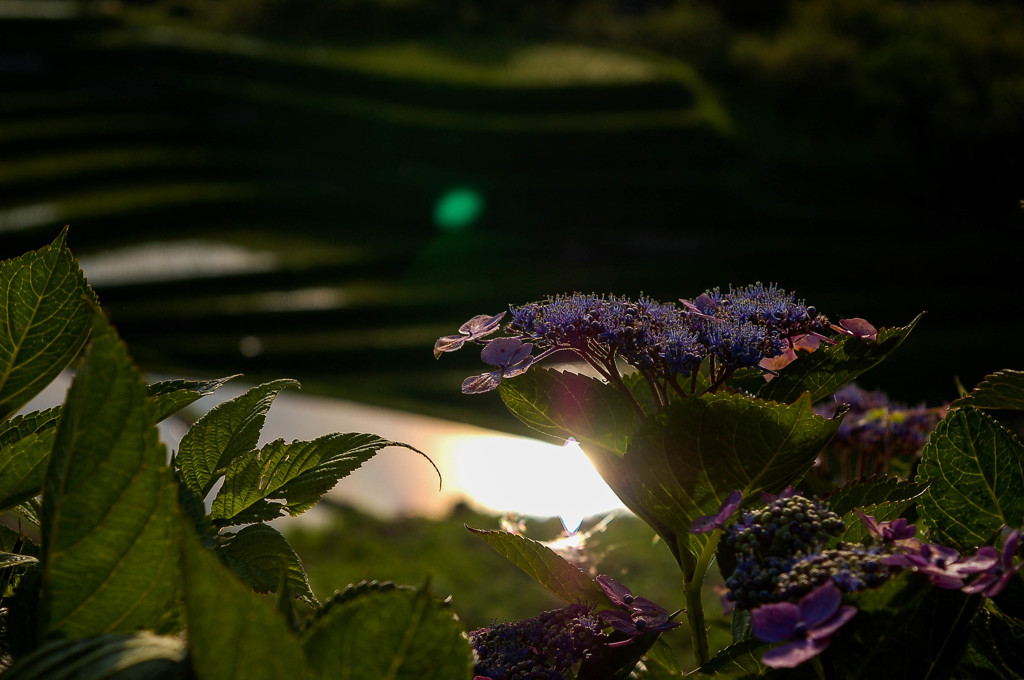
[489,470]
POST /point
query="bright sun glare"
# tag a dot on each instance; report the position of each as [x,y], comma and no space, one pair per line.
[515,474]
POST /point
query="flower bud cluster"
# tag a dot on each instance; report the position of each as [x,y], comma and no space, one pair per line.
[850,568]
[540,648]
[770,541]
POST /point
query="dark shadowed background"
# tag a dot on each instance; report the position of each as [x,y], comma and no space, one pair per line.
[320,189]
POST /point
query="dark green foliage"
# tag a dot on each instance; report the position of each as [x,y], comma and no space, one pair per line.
[825,370]
[975,470]
[1003,390]
[546,567]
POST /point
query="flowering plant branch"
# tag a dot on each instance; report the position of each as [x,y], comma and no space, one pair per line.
[698,414]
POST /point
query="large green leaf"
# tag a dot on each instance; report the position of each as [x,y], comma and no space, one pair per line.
[25,443]
[975,468]
[298,473]
[685,462]
[142,656]
[1000,640]
[545,566]
[906,628]
[229,431]
[45,312]
[395,634]
[562,404]
[170,396]
[233,632]
[1001,390]
[261,556]
[109,504]
[884,498]
[828,368]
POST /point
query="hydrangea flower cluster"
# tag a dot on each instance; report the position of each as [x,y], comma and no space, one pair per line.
[875,433]
[540,648]
[769,542]
[666,343]
[794,586]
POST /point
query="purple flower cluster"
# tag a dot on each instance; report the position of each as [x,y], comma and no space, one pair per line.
[636,616]
[540,648]
[876,434]
[546,647]
[794,586]
[665,342]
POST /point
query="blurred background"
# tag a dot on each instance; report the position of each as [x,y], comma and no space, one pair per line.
[318,189]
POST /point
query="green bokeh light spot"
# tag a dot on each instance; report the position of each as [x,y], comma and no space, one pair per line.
[458,208]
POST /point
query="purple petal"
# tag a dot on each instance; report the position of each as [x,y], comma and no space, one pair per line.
[983,560]
[820,604]
[448,343]
[501,351]
[478,384]
[794,654]
[1011,546]
[518,368]
[899,530]
[983,583]
[615,591]
[619,620]
[840,618]
[702,525]
[775,622]
[708,522]
[481,325]
[858,328]
[869,522]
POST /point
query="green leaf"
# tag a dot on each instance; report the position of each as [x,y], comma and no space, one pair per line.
[45,318]
[32,510]
[562,404]
[233,632]
[545,566]
[298,473]
[395,634]
[884,498]
[109,504]
[739,660]
[1000,640]
[25,443]
[229,431]
[16,560]
[975,468]
[170,396]
[260,556]
[1003,390]
[872,491]
[828,368]
[906,628]
[684,463]
[142,656]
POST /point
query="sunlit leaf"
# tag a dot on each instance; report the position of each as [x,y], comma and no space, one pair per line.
[562,404]
[228,431]
[975,470]
[109,504]
[260,555]
[45,319]
[233,632]
[828,368]
[397,634]
[545,566]
[141,656]
[684,463]
[170,396]
[25,443]
[298,473]
[1003,390]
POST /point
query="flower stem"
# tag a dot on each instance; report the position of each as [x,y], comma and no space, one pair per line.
[694,604]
